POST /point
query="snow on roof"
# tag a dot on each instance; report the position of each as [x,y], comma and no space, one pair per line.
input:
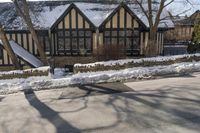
[43,15]
[96,12]
[48,16]
[184,8]
[24,54]
[165,23]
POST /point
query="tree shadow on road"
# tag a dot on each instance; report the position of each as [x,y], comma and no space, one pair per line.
[164,105]
[142,109]
[61,125]
[1,98]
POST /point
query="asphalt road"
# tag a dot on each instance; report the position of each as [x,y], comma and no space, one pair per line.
[170,105]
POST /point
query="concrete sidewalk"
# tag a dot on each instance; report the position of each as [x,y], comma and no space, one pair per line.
[169,105]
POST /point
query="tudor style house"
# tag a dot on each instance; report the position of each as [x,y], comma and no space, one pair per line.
[68,29]
[176,40]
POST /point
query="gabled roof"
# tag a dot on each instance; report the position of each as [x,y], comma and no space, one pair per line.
[45,14]
[96,12]
[67,11]
[187,21]
[127,9]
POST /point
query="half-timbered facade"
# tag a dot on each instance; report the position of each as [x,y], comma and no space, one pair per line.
[72,33]
[77,30]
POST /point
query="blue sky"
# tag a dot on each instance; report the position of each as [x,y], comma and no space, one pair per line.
[176,7]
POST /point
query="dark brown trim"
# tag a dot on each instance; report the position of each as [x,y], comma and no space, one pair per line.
[77,22]
[64,32]
[54,44]
[70,31]
[27,39]
[125,27]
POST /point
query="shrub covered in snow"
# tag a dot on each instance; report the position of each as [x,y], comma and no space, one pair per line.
[130,63]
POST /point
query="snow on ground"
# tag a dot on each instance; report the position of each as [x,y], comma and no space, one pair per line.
[38,83]
[126,61]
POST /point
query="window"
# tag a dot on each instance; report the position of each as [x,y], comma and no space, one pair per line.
[67,43]
[136,33]
[47,44]
[60,44]
[128,43]
[127,37]
[121,33]
[73,41]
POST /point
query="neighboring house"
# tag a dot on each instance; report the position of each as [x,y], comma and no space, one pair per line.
[176,40]
[67,29]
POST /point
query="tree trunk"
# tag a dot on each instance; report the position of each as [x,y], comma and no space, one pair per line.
[8,48]
[152,49]
[23,11]
[37,42]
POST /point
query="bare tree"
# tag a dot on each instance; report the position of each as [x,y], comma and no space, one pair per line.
[153,9]
[8,48]
[22,9]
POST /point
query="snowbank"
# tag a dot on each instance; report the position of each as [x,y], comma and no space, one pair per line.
[129,63]
[97,77]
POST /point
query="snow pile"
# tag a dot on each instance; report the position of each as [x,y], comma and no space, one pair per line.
[38,83]
[17,85]
[141,60]
[113,76]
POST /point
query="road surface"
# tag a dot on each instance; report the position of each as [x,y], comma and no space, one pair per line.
[170,105]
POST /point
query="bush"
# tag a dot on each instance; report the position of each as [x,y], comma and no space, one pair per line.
[194,46]
[24,74]
[110,52]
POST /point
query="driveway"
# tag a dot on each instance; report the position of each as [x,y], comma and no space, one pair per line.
[170,105]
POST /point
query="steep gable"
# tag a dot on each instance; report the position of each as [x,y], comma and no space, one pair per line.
[72,18]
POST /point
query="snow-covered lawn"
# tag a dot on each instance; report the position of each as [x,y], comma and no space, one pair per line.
[38,83]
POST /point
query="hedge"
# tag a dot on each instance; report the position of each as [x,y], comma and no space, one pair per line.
[144,62]
[24,74]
